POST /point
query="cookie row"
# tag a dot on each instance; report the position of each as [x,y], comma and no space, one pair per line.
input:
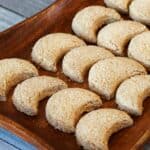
[79,58]
[114,36]
[64,111]
[138,10]
[104,78]
[106,71]
[88,21]
[66,105]
[65,108]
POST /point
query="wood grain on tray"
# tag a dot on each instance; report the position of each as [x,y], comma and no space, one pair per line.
[18,42]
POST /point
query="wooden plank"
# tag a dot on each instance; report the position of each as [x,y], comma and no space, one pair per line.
[8,18]
[27,7]
[9,141]
[6,146]
[12,12]
[48,1]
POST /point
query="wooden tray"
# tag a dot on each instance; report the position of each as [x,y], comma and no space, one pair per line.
[17,42]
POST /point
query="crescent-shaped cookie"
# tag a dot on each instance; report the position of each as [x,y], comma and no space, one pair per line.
[87,21]
[95,128]
[65,107]
[30,92]
[13,71]
[120,5]
[115,36]
[48,50]
[140,11]
[78,61]
[139,49]
[106,75]
[132,92]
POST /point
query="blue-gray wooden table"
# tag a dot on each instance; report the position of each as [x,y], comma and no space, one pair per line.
[12,12]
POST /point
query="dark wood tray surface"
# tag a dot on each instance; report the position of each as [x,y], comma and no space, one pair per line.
[17,42]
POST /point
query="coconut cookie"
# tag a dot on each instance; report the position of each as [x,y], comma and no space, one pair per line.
[95,128]
[106,75]
[78,61]
[65,107]
[139,49]
[115,36]
[29,93]
[120,5]
[140,11]
[132,92]
[87,21]
[13,71]
[48,50]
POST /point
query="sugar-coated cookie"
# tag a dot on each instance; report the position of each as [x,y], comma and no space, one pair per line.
[120,5]
[140,11]
[30,92]
[49,49]
[132,92]
[13,71]
[95,128]
[64,108]
[139,48]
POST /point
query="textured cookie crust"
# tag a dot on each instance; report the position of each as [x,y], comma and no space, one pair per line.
[139,49]
[87,21]
[132,92]
[48,50]
[120,5]
[140,11]
[106,75]
[65,108]
[27,94]
[13,71]
[95,128]
[115,36]
[78,61]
